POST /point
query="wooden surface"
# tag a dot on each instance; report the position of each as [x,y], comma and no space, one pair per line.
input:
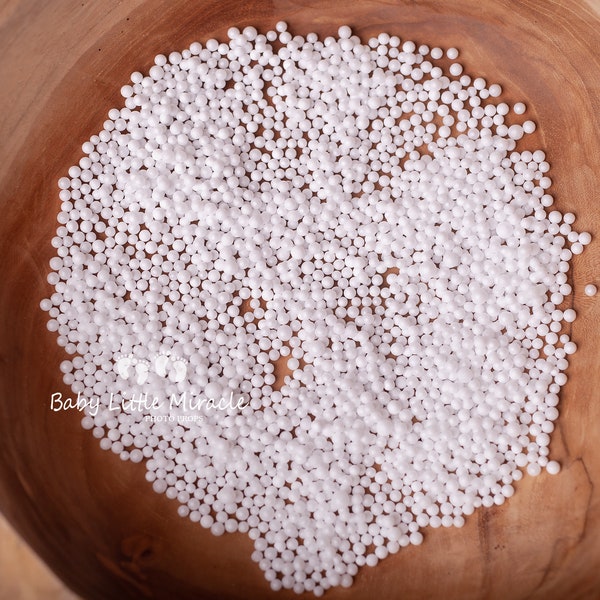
[23,576]
[93,518]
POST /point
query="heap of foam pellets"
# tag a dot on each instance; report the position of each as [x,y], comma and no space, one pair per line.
[365,216]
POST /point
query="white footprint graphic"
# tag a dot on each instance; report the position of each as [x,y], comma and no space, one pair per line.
[173,368]
[178,371]
[123,364]
[160,364]
[141,371]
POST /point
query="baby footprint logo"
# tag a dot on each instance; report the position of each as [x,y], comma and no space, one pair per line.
[166,365]
[129,367]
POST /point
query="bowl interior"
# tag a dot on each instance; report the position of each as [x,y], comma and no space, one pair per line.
[94,518]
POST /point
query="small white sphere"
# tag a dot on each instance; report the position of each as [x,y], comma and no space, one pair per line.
[344,32]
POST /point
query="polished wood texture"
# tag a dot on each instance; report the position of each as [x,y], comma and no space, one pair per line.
[23,576]
[93,518]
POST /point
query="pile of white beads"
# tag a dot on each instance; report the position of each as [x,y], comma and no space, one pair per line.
[359,212]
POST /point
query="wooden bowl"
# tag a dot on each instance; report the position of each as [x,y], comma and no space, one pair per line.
[95,519]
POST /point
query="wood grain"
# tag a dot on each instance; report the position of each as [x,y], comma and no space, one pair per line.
[23,576]
[93,518]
